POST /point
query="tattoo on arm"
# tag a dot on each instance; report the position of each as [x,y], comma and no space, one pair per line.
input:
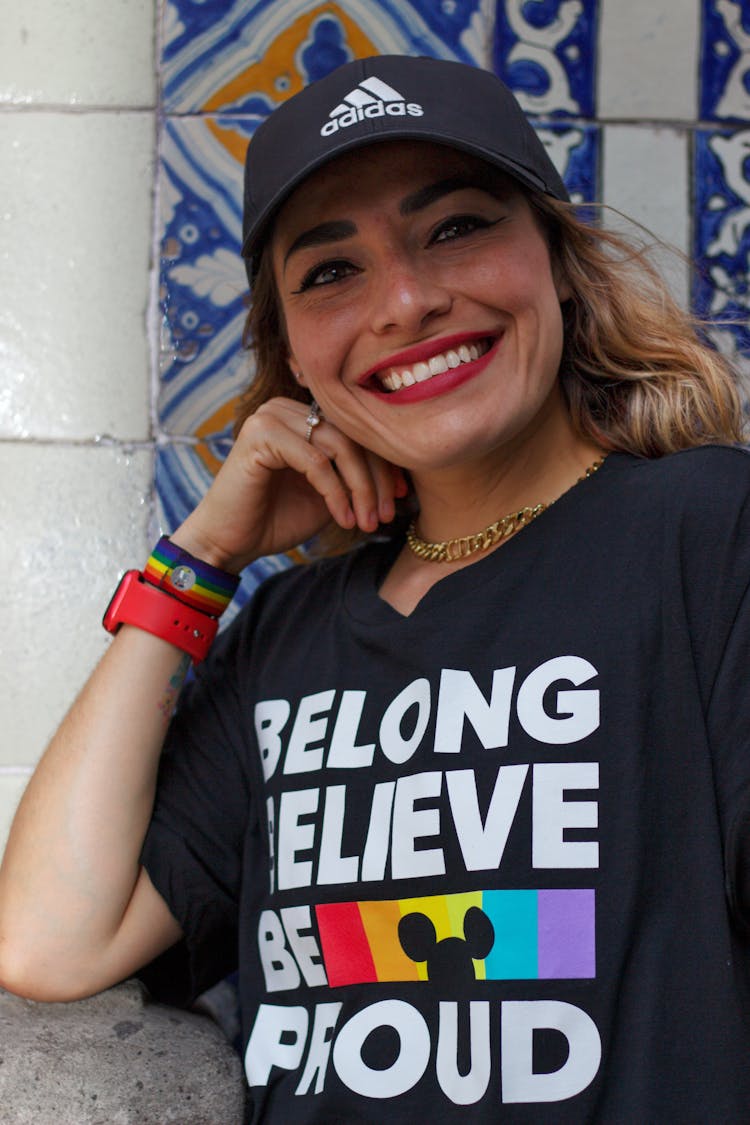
[168,702]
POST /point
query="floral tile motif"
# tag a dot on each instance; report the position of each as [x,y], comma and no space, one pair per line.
[722,240]
[545,51]
[246,57]
[574,149]
[725,60]
[203,283]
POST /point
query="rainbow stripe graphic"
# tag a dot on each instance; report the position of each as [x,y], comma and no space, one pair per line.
[539,935]
[212,589]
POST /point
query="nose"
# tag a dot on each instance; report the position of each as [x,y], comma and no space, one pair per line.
[407,295]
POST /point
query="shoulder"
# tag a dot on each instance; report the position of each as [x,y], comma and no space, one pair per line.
[702,462]
[710,477]
[691,507]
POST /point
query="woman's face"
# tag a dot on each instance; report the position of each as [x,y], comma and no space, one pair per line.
[420,304]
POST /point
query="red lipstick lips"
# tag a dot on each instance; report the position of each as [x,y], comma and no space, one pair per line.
[431,385]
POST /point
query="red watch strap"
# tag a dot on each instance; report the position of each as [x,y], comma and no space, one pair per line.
[135,602]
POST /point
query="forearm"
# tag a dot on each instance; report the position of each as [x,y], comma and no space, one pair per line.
[74,902]
[72,860]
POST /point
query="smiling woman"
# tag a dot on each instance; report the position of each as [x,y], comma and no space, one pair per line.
[446,801]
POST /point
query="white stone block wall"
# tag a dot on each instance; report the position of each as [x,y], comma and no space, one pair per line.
[77,164]
[79,245]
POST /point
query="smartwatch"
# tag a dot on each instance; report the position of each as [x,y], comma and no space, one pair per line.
[136,602]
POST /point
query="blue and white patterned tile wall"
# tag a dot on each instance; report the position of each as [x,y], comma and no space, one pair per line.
[113,419]
[722,176]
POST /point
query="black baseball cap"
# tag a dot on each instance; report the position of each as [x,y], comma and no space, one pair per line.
[388,97]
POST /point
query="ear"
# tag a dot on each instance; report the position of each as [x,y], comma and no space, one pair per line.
[295,370]
[564,289]
[479,932]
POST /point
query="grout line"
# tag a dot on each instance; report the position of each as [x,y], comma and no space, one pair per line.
[16,771]
[97,441]
[77,110]
[153,314]
[153,319]
[105,441]
[539,121]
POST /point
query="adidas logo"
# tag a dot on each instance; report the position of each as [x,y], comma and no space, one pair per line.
[371,98]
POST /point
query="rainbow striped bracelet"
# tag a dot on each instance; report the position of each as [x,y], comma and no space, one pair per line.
[190,580]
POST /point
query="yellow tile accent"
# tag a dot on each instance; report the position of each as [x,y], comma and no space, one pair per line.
[279,61]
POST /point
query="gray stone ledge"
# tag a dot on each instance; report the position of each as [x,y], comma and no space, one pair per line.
[115,1059]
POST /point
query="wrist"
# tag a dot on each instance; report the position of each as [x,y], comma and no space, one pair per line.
[178,597]
[136,602]
[190,579]
[187,539]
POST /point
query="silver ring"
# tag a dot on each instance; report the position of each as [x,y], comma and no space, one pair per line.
[313,419]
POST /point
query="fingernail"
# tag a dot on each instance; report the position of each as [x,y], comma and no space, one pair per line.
[387,510]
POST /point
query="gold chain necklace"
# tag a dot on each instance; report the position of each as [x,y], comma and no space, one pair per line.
[450,550]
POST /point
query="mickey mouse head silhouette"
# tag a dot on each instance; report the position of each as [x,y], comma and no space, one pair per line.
[449,962]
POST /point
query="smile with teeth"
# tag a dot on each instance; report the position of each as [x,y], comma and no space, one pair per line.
[420,372]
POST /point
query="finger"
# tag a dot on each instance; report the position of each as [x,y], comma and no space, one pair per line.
[386,478]
[318,459]
[357,485]
[278,436]
[400,483]
[374,483]
[321,462]
[320,472]
[360,471]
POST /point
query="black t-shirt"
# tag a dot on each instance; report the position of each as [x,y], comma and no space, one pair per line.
[491,858]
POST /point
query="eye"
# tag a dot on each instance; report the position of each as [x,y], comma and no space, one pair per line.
[326,273]
[459,226]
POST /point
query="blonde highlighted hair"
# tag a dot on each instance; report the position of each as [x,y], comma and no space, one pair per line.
[636,371]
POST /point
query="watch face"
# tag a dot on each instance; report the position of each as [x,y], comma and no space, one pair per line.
[182,578]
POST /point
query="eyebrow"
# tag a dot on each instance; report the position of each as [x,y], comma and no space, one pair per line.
[488,182]
[338,229]
[321,234]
